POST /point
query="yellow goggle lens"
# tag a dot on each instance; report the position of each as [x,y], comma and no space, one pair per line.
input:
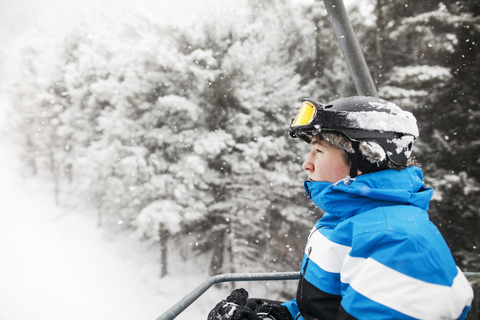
[304,115]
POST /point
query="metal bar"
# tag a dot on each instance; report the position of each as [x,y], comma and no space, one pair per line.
[472,276]
[183,304]
[195,294]
[350,48]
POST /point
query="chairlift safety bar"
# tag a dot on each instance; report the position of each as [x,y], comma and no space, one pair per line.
[195,294]
[178,308]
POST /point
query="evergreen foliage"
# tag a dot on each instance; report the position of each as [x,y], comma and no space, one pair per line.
[178,130]
[185,129]
[430,65]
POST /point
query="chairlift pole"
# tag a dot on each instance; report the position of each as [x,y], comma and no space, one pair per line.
[350,48]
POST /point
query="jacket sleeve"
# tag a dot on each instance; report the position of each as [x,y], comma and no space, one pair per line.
[293,308]
[400,276]
[319,288]
[322,306]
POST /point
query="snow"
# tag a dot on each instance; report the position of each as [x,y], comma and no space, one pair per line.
[161,211]
[402,144]
[420,74]
[213,143]
[403,121]
[57,264]
[373,151]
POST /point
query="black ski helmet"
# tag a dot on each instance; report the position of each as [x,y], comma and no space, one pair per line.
[361,119]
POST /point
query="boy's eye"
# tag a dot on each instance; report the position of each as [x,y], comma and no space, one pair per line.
[318,150]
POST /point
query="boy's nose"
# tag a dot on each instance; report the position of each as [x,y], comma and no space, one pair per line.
[307,165]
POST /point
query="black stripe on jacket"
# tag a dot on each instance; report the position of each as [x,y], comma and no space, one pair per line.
[315,304]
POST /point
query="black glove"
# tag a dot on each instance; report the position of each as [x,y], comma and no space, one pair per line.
[272,311]
[233,308]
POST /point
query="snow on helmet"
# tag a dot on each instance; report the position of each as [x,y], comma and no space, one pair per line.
[361,119]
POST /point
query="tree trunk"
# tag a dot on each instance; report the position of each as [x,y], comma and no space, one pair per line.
[318,52]
[378,68]
[69,172]
[230,242]
[98,204]
[163,233]
[31,156]
[268,234]
[54,172]
[216,263]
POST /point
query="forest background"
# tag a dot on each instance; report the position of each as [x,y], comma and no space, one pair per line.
[177,132]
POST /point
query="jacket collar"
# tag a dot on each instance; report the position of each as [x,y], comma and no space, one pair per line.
[368,191]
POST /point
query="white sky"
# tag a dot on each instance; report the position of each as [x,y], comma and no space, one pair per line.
[18,16]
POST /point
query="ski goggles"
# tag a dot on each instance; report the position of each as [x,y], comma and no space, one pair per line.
[306,123]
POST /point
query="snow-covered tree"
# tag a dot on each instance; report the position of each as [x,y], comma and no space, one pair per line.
[248,104]
[430,66]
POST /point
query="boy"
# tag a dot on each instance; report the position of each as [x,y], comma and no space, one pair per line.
[374,254]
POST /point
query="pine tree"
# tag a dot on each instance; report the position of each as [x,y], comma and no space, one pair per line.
[249,101]
[430,67]
[181,133]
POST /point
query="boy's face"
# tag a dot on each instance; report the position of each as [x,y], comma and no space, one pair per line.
[325,162]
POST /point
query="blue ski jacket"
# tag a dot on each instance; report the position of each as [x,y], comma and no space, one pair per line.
[376,255]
